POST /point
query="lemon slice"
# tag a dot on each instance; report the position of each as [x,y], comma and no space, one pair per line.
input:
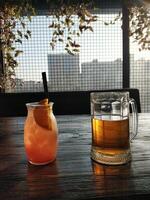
[42,114]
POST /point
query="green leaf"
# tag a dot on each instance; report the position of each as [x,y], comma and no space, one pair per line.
[23,24]
[19,41]
[18,52]
[69,51]
[60,40]
[90,28]
[26,36]
[106,23]
[29,33]
[19,33]
[52,45]
[76,50]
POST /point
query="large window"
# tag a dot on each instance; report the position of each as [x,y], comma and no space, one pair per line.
[102,62]
[97,66]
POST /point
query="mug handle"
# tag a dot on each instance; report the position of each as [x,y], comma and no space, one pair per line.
[134,131]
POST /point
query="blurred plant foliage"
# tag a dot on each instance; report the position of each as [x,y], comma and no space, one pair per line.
[139,22]
[11,16]
[71,18]
[13,13]
[69,22]
[139,19]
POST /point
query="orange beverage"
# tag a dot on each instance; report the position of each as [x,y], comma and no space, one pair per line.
[110,139]
[40,133]
[110,136]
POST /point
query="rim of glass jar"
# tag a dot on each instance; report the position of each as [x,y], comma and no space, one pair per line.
[36,104]
[99,95]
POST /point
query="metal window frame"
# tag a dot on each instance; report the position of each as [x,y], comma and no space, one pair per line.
[126,58]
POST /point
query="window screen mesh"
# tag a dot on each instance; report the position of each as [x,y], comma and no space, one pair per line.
[97,66]
[140,74]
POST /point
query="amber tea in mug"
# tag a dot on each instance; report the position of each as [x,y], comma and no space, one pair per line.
[110,127]
[110,135]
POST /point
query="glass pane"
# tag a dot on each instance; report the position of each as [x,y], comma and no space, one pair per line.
[140,74]
[98,65]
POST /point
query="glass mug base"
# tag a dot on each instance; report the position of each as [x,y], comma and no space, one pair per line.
[110,159]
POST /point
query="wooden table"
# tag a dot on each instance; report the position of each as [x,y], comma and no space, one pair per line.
[73,175]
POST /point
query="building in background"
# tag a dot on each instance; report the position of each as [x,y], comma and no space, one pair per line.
[63,72]
[99,75]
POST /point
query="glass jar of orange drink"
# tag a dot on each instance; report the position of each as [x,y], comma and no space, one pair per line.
[40,133]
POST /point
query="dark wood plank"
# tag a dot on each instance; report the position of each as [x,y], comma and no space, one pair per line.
[73,175]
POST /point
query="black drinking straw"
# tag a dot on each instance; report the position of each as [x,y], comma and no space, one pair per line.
[45,85]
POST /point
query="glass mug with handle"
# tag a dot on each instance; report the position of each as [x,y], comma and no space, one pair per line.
[111,135]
